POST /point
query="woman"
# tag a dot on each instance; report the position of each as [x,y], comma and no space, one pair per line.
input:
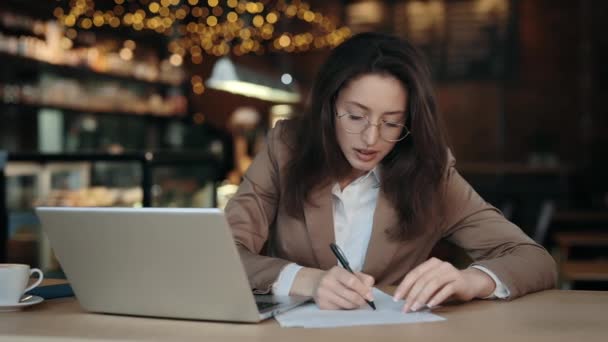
[368,167]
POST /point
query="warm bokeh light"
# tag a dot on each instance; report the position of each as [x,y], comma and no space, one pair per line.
[154,7]
[245,34]
[291,10]
[126,54]
[182,13]
[129,44]
[211,20]
[272,17]
[71,33]
[258,21]
[86,23]
[119,10]
[217,11]
[58,12]
[251,7]
[284,41]
[309,16]
[198,118]
[232,17]
[164,11]
[259,7]
[195,50]
[175,60]
[70,20]
[197,12]
[98,21]
[196,79]
[197,59]
[114,22]
[66,43]
[211,26]
[198,88]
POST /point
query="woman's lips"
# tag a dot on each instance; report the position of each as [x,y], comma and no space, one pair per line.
[365,155]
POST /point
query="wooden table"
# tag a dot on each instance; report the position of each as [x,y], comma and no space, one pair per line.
[546,316]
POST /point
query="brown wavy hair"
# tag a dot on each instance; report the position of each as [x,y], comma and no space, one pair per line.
[412,172]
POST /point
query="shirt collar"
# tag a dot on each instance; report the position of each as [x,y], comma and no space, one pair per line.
[374,176]
[376,171]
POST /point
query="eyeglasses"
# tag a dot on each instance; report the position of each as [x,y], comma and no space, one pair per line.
[389,131]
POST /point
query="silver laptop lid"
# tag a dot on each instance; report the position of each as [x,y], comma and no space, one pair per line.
[164,262]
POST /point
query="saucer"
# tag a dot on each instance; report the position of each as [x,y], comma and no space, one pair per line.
[18,306]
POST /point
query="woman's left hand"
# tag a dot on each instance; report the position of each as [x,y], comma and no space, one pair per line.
[434,281]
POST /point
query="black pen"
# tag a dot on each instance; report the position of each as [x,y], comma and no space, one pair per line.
[342,259]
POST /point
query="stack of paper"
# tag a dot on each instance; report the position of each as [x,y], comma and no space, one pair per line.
[388,312]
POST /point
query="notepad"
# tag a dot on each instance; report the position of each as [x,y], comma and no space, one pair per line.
[388,312]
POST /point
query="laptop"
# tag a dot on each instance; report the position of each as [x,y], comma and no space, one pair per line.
[160,262]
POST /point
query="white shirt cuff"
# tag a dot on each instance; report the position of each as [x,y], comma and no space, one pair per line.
[282,286]
[501,290]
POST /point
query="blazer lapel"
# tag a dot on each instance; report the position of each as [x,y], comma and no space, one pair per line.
[320,224]
[381,249]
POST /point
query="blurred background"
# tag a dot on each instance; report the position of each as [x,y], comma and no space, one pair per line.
[164,103]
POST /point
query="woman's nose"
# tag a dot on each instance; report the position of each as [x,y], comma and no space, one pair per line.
[371,135]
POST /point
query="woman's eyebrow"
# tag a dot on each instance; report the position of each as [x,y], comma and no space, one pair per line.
[392,112]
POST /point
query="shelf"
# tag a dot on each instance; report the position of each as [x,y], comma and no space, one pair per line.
[148,160]
[19,31]
[48,162]
[149,157]
[81,71]
[84,110]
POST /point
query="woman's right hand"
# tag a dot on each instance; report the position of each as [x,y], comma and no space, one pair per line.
[339,289]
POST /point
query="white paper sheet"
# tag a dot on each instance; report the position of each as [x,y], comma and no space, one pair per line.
[388,312]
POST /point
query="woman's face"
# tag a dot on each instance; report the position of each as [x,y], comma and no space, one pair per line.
[378,97]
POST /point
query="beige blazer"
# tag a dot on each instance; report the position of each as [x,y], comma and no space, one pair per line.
[256,214]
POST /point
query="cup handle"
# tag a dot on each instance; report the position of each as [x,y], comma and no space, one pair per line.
[40,277]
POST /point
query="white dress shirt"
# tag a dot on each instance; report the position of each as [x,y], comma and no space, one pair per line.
[353,213]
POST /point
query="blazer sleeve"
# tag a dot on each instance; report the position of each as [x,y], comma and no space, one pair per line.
[492,241]
[251,211]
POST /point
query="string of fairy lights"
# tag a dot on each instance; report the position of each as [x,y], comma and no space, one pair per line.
[213,27]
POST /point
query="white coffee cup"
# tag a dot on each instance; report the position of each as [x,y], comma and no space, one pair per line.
[13,282]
